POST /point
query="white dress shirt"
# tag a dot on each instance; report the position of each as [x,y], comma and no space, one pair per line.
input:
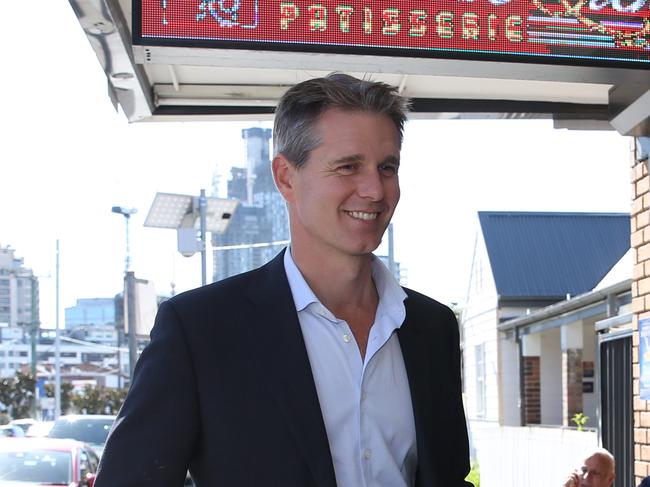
[366,404]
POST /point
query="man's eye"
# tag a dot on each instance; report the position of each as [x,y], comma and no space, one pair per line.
[346,168]
[389,168]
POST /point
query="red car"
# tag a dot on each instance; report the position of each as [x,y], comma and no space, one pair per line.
[46,461]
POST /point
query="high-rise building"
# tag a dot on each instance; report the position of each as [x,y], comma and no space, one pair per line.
[18,291]
[91,312]
[261,217]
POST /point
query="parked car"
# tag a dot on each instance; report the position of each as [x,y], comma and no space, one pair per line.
[24,423]
[46,461]
[11,430]
[40,429]
[88,428]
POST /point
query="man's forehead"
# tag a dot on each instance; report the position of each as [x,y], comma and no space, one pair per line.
[597,461]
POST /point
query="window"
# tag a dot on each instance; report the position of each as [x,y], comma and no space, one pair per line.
[479,354]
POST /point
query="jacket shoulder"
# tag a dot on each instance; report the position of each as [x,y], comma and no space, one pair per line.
[420,303]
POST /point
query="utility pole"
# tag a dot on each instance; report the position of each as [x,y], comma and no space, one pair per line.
[129,301]
[57,345]
[33,332]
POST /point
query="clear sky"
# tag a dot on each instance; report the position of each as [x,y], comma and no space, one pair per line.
[67,157]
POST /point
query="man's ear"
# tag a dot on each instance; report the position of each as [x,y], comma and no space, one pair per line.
[283,172]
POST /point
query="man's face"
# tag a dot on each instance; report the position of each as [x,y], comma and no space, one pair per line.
[343,198]
[597,472]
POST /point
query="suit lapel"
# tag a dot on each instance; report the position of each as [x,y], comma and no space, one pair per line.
[418,366]
[277,342]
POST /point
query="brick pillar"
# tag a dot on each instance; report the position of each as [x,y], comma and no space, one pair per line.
[571,384]
[640,243]
[532,402]
[571,340]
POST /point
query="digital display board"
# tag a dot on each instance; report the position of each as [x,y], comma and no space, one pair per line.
[582,32]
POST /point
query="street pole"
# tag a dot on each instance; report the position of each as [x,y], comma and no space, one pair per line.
[130,300]
[33,331]
[57,345]
[127,260]
[203,203]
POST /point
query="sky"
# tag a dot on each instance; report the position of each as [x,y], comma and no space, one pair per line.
[67,157]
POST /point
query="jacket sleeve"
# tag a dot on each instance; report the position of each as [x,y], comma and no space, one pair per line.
[153,438]
[461,467]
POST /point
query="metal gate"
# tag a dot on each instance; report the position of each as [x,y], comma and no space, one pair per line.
[616,412]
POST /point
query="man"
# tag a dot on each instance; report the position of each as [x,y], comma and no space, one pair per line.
[317,369]
[598,470]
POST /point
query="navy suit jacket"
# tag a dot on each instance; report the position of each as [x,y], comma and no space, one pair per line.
[225,389]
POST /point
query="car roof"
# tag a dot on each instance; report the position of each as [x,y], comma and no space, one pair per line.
[76,417]
[31,443]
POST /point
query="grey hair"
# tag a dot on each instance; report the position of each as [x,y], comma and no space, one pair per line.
[301,106]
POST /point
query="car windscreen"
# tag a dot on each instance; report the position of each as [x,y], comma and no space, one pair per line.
[86,430]
[39,466]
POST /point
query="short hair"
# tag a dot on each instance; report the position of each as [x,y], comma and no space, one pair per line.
[301,106]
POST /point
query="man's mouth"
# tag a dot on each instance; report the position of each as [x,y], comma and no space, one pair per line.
[363,215]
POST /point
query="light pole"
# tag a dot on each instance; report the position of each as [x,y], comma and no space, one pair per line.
[129,297]
[185,213]
[126,212]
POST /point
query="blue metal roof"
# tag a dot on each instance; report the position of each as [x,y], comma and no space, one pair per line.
[551,254]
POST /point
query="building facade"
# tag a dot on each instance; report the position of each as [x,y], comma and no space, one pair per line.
[540,285]
[90,312]
[261,218]
[18,291]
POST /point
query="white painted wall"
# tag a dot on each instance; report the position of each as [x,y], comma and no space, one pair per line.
[551,378]
[510,382]
[479,321]
[530,456]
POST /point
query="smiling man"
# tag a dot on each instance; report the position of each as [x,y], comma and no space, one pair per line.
[317,369]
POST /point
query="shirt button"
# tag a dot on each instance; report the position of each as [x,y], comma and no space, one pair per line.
[363,396]
[346,338]
[367,454]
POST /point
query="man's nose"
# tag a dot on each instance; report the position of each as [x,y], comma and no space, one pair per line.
[371,185]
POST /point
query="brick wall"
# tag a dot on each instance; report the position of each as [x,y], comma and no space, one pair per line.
[640,227]
[532,401]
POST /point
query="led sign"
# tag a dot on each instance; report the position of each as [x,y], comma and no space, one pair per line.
[592,32]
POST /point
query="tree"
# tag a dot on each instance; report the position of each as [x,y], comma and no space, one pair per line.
[89,401]
[114,399]
[17,394]
[99,400]
[66,395]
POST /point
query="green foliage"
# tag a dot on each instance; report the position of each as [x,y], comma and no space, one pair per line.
[98,400]
[474,476]
[66,395]
[17,394]
[580,419]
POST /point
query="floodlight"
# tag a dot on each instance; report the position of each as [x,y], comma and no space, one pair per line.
[127,212]
[218,214]
[169,210]
[185,213]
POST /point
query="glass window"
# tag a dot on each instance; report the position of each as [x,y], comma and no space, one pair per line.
[93,431]
[37,466]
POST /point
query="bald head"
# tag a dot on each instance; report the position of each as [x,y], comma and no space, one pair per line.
[598,469]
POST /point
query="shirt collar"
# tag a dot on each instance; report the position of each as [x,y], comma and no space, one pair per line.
[303,296]
[391,295]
